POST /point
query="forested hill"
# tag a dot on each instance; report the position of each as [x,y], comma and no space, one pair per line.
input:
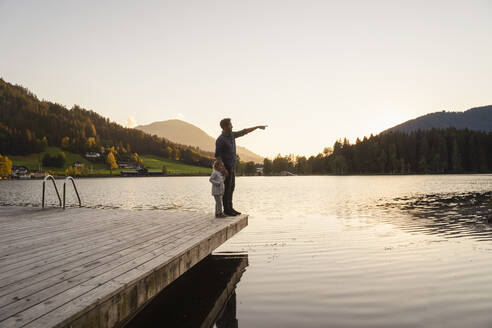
[420,152]
[477,119]
[27,125]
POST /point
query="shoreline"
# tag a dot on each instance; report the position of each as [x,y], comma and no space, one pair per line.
[60,177]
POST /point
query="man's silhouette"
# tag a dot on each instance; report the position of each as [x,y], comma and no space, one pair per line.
[225,150]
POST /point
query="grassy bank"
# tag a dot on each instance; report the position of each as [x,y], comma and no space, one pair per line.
[173,167]
[154,163]
[34,161]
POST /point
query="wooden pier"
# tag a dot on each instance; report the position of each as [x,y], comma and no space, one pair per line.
[93,267]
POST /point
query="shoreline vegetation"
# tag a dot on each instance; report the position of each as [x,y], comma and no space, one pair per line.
[199,174]
[435,151]
[41,136]
[88,168]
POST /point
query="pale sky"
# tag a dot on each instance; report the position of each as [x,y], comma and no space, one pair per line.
[314,71]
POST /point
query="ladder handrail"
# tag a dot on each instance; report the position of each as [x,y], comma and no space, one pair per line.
[50,177]
[69,178]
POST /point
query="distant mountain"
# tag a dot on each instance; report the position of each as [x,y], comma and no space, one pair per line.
[188,134]
[478,119]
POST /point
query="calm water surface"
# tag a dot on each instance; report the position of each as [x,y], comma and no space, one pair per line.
[378,251]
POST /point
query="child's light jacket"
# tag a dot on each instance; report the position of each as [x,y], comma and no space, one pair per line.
[217,180]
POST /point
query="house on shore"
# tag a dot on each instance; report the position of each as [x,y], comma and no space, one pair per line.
[78,165]
[141,171]
[126,165]
[20,172]
[92,154]
[38,175]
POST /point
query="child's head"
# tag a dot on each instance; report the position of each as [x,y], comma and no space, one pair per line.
[218,165]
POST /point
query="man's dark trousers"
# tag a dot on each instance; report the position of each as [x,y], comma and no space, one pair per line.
[229,183]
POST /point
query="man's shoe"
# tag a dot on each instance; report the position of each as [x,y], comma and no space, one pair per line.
[229,213]
[235,212]
[220,216]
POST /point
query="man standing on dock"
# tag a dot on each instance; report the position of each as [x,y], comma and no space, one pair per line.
[225,150]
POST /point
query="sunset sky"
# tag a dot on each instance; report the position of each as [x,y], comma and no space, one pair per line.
[314,71]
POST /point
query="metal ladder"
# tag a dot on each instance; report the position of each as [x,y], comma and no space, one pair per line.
[69,178]
[74,187]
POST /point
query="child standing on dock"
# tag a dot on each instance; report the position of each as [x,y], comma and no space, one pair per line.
[217,178]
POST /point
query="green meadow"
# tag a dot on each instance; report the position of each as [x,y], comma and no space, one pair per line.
[153,163]
[173,167]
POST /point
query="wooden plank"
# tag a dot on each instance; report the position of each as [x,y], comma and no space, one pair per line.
[120,224]
[86,262]
[129,270]
[90,275]
[63,250]
[52,235]
[20,252]
[40,219]
[15,255]
[48,257]
[31,233]
[53,220]
[158,238]
[125,288]
[68,272]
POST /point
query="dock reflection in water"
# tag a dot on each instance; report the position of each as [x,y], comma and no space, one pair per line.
[204,296]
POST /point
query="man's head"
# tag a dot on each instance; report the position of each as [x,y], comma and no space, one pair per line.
[226,125]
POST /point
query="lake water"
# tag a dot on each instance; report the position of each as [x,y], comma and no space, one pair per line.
[358,251]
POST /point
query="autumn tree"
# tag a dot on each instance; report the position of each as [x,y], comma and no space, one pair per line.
[91,143]
[111,160]
[5,166]
[134,158]
[137,160]
[72,171]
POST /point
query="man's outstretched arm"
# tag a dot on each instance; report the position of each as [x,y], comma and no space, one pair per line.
[248,130]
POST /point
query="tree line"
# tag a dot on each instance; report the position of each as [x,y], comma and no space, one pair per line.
[28,125]
[420,152]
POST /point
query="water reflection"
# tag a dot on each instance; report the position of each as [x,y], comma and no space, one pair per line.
[203,297]
[451,215]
